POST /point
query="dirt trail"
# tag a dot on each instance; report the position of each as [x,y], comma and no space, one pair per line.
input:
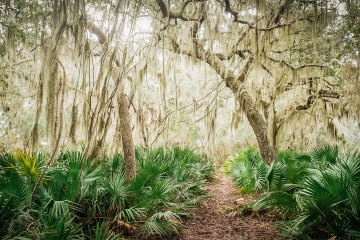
[212,219]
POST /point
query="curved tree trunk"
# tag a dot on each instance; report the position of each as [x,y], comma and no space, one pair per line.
[259,126]
[247,104]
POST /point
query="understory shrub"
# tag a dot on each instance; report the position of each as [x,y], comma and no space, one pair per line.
[80,199]
[315,195]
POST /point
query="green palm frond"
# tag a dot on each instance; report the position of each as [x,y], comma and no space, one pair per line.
[25,163]
[167,216]
[355,234]
[116,189]
[7,161]
[260,173]
[294,165]
[89,177]
[59,208]
[117,163]
[279,201]
[331,198]
[326,154]
[249,171]
[131,214]
[102,232]
[63,228]
[161,223]
[154,228]
[159,194]
[14,198]
[275,175]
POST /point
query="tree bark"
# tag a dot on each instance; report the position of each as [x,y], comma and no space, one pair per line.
[126,134]
[34,136]
[271,123]
[259,126]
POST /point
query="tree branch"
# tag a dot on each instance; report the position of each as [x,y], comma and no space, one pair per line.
[163,8]
[295,68]
[276,18]
[97,31]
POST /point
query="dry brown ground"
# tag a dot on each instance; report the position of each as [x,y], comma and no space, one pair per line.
[213,219]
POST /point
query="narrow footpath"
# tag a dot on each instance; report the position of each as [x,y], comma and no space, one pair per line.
[214,218]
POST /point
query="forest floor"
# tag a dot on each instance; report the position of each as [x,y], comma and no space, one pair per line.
[215,218]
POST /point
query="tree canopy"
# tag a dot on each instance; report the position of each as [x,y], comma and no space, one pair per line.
[286,71]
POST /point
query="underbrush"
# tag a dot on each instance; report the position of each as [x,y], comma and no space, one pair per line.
[78,199]
[314,196]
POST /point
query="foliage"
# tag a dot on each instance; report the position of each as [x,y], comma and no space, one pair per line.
[79,199]
[317,191]
[248,170]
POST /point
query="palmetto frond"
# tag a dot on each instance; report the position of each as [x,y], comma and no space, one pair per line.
[326,154]
[131,214]
[280,201]
[102,232]
[161,223]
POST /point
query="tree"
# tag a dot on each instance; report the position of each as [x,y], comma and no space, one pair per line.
[117,74]
[247,35]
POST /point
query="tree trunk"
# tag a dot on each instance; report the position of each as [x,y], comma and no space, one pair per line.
[126,134]
[73,123]
[117,143]
[256,120]
[271,123]
[259,126]
[123,105]
[34,136]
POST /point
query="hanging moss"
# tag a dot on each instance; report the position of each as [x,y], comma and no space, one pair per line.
[52,89]
[73,123]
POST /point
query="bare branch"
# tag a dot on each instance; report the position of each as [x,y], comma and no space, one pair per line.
[295,68]
[276,18]
[97,31]
[163,8]
[167,13]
